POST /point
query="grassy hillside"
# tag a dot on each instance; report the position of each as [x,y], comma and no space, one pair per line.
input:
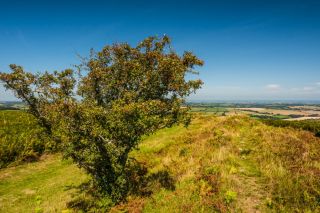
[218,164]
[40,186]
[18,137]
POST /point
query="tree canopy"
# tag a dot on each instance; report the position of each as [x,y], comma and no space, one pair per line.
[100,112]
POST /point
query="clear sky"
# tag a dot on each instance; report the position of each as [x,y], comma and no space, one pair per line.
[253,50]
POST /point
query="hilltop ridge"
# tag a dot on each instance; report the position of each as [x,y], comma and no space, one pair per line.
[221,164]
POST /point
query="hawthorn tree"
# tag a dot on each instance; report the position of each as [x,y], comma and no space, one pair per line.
[100,114]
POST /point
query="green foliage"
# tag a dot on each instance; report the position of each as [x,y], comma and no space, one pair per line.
[270,117]
[308,125]
[21,138]
[122,93]
[230,196]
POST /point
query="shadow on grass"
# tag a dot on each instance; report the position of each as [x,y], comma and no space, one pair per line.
[140,183]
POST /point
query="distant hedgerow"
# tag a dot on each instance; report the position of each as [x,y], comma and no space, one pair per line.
[308,125]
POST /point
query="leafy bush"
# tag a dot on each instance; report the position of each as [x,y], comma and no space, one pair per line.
[122,94]
[230,196]
[21,138]
[308,125]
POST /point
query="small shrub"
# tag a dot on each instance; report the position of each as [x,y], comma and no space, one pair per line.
[212,170]
[245,151]
[269,202]
[38,210]
[183,152]
[219,138]
[230,196]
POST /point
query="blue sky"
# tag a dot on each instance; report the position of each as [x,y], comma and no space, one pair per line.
[253,50]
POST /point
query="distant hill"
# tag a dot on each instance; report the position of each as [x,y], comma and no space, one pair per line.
[11,105]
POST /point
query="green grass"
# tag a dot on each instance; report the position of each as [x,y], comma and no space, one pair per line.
[38,186]
[210,110]
[217,164]
[271,117]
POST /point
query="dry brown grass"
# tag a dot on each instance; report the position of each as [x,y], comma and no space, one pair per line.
[217,164]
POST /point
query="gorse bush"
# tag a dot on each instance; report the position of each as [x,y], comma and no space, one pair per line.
[121,94]
[308,125]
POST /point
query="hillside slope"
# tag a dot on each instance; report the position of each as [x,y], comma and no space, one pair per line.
[217,164]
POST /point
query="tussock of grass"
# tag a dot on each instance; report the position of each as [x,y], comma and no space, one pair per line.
[217,164]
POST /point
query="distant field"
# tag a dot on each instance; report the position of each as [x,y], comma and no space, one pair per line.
[263,111]
[210,110]
[301,112]
[306,107]
[303,118]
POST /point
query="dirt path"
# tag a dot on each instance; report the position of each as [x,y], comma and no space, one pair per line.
[250,194]
[251,190]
